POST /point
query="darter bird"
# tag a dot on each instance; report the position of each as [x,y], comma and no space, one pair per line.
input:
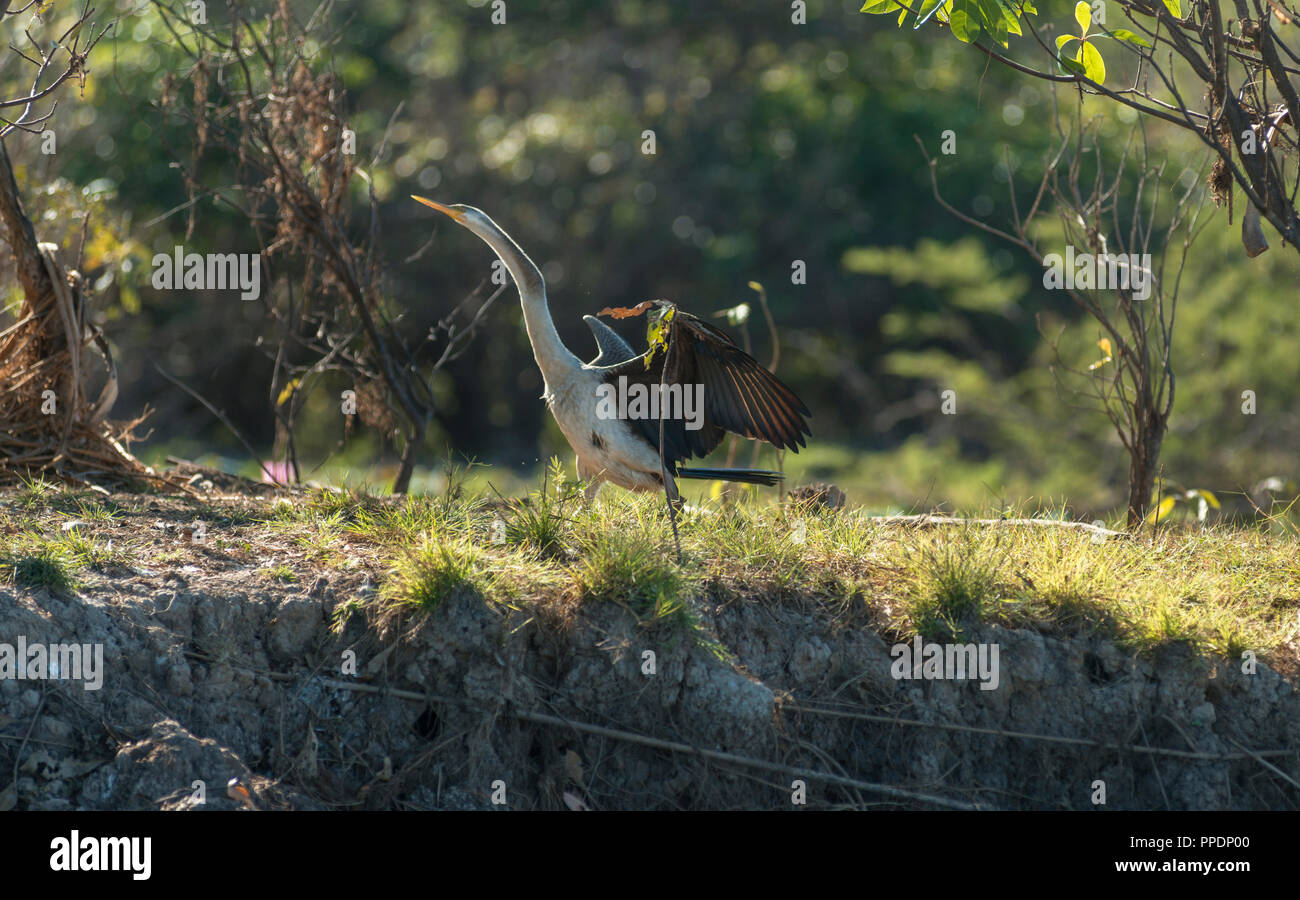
[619,443]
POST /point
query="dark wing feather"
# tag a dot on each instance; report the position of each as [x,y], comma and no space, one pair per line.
[740,395]
[767,409]
[610,346]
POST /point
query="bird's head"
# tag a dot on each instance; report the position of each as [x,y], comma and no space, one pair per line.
[471,217]
[523,269]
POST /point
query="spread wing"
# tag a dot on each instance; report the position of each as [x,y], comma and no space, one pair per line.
[739,394]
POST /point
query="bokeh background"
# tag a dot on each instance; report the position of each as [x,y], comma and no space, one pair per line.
[775,142]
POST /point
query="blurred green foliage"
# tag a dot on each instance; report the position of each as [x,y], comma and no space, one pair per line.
[773,142]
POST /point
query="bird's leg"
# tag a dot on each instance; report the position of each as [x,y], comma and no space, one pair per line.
[670,485]
[674,506]
[675,501]
[594,478]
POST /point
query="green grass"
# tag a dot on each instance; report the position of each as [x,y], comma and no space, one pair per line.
[44,569]
[36,492]
[101,555]
[544,520]
[36,562]
[280,573]
[636,568]
[93,509]
[407,517]
[955,582]
[1221,589]
[435,570]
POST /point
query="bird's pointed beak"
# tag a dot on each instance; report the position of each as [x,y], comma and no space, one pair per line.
[445,210]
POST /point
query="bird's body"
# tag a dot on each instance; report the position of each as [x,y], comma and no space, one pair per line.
[607,449]
[737,394]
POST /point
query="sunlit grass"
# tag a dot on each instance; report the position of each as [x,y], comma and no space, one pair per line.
[1220,589]
[92,551]
[635,568]
[433,572]
[280,573]
[36,562]
[953,583]
[93,509]
[544,519]
[35,492]
[434,569]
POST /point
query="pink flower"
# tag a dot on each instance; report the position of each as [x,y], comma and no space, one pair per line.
[280,472]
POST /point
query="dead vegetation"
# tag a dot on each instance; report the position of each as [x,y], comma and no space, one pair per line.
[49,347]
[50,354]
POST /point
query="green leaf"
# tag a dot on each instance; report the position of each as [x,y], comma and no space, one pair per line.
[1093,66]
[965,27]
[1083,15]
[993,16]
[1062,40]
[1161,512]
[929,8]
[995,26]
[1011,17]
[995,20]
[880,7]
[1005,12]
[1123,34]
[1071,64]
[1175,8]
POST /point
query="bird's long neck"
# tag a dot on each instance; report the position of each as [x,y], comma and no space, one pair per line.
[553,358]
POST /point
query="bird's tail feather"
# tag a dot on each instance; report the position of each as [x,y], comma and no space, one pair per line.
[744,476]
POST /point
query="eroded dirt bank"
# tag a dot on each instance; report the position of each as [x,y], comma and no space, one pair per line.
[215,671]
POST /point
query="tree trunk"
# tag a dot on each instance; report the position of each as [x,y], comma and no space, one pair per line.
[414,441]
[1143,459]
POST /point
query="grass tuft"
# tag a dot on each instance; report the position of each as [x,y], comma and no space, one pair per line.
[955,584]
[37,562]
[437,569]
[36,492]
[280,573]
[542,521]
[91,552]
[637,570]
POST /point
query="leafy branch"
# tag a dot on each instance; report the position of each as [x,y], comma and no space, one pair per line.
[1228,81]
